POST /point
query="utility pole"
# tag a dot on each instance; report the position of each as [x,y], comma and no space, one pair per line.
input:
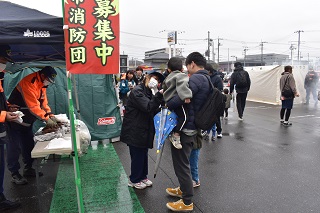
[299,31]
[213,55]
[261,44]
[291,49]
[228,62]
[219,48]
[245,54]
[208,45]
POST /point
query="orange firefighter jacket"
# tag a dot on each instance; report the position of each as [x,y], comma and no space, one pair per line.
[34,95]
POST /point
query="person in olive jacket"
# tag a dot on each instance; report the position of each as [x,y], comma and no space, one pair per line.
[138,129]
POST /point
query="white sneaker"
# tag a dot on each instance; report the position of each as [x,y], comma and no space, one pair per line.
[139,185]
[219,135]
[195,184]
[147,182]
[175,141]
[240,119]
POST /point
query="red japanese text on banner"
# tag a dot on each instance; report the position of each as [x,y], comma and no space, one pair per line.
[92,36]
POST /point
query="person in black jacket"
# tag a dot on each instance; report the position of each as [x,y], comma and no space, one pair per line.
[242,91]
[216,80]
[138,128]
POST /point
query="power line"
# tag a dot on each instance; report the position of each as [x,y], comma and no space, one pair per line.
[142,35]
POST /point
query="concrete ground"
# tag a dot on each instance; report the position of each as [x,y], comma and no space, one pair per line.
[258,166]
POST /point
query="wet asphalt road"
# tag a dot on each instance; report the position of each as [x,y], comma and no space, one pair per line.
[258,165]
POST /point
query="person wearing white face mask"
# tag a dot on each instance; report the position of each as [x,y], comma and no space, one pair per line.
[5,116]
[31,95]
[138,129]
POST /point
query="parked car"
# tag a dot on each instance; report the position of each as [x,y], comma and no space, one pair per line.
[227,77]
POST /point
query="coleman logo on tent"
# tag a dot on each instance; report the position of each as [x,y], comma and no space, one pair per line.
[36,33]
[106,121]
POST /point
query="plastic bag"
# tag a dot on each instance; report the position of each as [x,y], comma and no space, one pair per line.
[84,135]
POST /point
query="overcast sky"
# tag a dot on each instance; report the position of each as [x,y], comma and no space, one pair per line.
[239,24]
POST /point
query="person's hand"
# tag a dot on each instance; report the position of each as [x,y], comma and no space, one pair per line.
[51,124]
[297,95]
[187,100]
[13,107]
[154,90]
[10,116]
[161,91]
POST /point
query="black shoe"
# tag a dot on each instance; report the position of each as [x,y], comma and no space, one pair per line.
[7,205]
[31,172]
[18,179]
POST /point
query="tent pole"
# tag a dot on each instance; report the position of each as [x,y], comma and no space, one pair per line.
[74,148]
[76,95]
[74,139]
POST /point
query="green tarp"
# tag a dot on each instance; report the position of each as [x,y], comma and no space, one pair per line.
[96,95]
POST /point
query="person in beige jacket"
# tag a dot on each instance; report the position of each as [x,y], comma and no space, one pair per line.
[288,93]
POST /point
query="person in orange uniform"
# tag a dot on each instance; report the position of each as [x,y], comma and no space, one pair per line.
[30,95]
[4,116]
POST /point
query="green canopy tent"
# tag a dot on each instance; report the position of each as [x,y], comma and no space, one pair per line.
[96,95]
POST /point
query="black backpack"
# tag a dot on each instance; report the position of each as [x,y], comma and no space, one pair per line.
[241,79]
[211,110]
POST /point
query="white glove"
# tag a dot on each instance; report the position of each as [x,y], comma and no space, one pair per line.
[153,83]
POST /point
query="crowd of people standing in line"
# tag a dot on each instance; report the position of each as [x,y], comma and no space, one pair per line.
[185,94]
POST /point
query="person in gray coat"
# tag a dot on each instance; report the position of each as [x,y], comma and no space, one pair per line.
[176,83]
[287,82]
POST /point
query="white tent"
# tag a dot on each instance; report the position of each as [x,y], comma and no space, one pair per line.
[265,82]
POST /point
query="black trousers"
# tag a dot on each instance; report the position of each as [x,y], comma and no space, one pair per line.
[241,103]
[139,163]
[21,143]
[181,165]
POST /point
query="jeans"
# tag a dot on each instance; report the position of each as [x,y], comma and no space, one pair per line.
[216,127]
[21,143]
[194,162]
[213,130]
[312,90]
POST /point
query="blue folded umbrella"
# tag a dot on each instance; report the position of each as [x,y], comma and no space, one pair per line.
[164,122]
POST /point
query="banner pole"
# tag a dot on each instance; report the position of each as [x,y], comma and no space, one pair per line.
[73,138]
[75,148]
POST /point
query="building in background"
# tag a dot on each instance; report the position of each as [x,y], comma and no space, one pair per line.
[159,58]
